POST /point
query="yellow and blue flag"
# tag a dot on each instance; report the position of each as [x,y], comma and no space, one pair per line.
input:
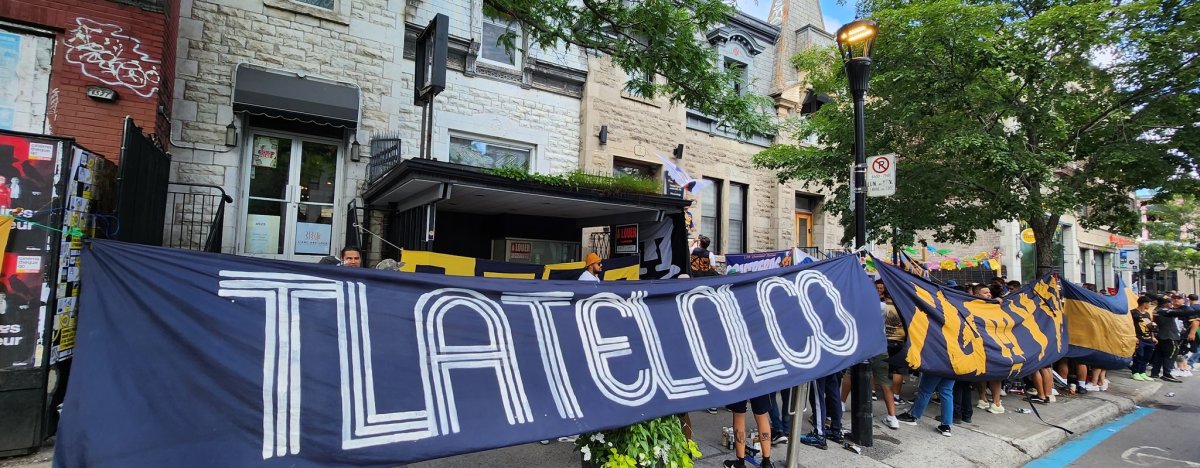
[953,334]
[1100,327]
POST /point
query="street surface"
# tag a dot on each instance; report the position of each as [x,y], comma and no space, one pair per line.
[1168,435]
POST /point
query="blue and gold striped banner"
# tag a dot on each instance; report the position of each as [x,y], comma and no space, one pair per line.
[954,334]
[1100,327]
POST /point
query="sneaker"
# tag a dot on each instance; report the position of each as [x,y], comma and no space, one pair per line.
[1104,385]
[712,411]
[873,396]
[779,439]
[983,404]
[835,436]
[1168,378]
[907,418]
[1032,392]
[944,429]
[766,464]
[1091,387]
[896,399]
[1079,390]
[1003,392]
[736,463]
[966,420]
[570,438]
[544,442]
[813,440]
[891,422]
[995,409]
[1054,392]
[1052,399]
[1034,399]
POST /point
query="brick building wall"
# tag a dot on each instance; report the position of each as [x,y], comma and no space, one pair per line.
[121,46]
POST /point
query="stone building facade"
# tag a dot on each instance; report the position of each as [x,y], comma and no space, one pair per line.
[525,103]
[747,209]
[53,51]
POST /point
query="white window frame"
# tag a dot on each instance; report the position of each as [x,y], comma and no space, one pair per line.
[519,45]
[512,144]
[339,14]
[339,215]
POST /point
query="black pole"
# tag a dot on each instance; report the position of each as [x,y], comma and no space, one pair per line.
[859,70]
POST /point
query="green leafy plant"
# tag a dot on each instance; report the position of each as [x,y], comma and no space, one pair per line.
[657,442]
[580,180]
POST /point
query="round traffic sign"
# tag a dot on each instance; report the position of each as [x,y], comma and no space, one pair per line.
[880,165]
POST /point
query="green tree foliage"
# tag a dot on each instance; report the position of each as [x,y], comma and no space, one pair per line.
[1172,227]
[1012,109]
[647,38]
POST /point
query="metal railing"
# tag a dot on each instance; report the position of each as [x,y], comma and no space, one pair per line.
[195,217]
[818,253]
[385,154]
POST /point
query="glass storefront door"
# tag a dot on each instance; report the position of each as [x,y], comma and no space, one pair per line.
[291,201]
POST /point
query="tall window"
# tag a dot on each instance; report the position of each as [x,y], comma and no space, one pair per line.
[741,78]
[494,51]
[710,216]
[737,217]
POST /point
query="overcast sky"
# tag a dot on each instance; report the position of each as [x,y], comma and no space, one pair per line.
[835,15]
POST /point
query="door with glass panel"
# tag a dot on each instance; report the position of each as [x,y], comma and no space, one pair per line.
[291,197]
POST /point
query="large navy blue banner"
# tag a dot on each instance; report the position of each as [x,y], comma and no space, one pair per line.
[194,359]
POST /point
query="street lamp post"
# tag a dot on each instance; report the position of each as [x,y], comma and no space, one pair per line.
[856,42]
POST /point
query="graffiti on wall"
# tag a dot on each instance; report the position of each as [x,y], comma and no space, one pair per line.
[104,52]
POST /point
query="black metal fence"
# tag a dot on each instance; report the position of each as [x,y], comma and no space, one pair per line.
[142,178]
[385,154]
[195,216]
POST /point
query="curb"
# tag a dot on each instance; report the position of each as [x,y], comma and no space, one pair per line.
[1111,407]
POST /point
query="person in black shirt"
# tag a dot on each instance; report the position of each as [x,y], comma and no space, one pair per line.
[1143,327]
[1168,336]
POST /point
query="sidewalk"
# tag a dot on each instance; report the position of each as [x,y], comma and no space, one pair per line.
[993,440]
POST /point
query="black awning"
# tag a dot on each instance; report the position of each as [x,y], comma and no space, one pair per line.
[475,191]
[292,97]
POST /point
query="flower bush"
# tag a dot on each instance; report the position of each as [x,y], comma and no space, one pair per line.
[657,442]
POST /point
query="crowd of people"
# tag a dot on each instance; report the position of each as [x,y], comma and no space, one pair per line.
[1166,326]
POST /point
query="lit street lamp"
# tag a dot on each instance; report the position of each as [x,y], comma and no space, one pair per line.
[856,41]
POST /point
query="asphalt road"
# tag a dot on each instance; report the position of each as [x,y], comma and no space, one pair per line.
[1166,436]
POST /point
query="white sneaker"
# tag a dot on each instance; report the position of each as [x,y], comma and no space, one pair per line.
[1104,385]
[983,404]
[1054,391]
[891,422]
[1003,392]
[1091,387]
[1052,399]
[995,409]
[570,438]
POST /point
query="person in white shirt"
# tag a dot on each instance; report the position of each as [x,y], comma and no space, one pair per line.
[592,270]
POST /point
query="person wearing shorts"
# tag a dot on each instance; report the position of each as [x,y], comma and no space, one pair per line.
[759,405]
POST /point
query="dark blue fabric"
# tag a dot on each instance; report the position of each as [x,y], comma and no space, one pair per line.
[953,334]
[180,356]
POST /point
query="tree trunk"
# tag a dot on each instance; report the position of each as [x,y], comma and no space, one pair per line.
[1043,230]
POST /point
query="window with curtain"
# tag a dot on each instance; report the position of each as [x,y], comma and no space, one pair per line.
[737,217]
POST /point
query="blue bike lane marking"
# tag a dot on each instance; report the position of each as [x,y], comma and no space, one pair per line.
[1071,451]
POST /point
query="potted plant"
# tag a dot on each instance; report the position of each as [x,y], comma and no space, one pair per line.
[654,443]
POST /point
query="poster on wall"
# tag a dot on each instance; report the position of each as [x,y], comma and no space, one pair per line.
[27,176]
[313,238]
[262,234]
[626,239]
[266,152]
